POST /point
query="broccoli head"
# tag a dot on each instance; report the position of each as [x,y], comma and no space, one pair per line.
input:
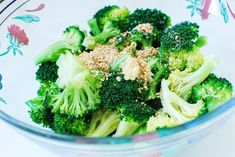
[159,121]
[72,42]
[179,47]
[47,72]
[41,106]
[177,108]
[103,123]
[213,91]
[80,96]
[133,115]
[181,82]
[155,17]
[111,13]
[116,90]
[122,41]
[145,36]
[111,29]
[65,124]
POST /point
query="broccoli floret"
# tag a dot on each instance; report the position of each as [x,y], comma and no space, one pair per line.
[181,82]
[180,47]
[133,115]
[111,13]
[69,65]
[153,16]
[40,112]
[47,72]
[65,124]
[72,42]
[81,87]
[111,29]
[116,90]
[145,35]
[103,123]
[80,96]
[122,41]
[213,91]
[107,23]
[41,107]
[177,108]
[159,121]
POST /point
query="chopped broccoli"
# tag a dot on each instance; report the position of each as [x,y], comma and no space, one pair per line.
[47,72]
[181,82]
[133,115]
[72,42]
[116,90]
[116,65]
[177,108]
[111,13]
[159,121]
[95,30]
[213,91]
[65,124]
[153,16]
[106,23]
[80,96]
[145,35]
[111,29]
[180,47]
[122,41]
[41,107]
[81,87]
[69,65]
[103,123]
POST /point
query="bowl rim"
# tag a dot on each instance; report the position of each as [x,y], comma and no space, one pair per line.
[159,137]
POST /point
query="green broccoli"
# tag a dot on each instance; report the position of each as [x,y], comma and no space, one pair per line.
[133,115]
[103,123]
[106,23]
[72,42]
[122,41]
[41,106]
[116,90]
[80,96]
[108,13]
[145,35]
[178,109]
[181,82]
[155,17]
[65,124]
[179,47]
[111,29]
[213,91]
[81,87]
[47,72]
[159,121]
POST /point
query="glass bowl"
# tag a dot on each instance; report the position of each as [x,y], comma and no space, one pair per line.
[27,27]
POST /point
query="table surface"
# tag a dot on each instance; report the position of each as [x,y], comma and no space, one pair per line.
[218,144]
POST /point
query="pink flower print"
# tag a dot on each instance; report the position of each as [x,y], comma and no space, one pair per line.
[17,38]
[18,34]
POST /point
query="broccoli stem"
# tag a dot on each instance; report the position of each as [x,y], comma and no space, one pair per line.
[106,123]
[116,64]
[126,128]
[94,26]
[156,80]
[53,52]
[201,41]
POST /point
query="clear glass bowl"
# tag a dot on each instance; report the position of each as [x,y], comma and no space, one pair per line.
[29,26]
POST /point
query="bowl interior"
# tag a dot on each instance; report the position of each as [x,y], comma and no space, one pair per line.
[36,24]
